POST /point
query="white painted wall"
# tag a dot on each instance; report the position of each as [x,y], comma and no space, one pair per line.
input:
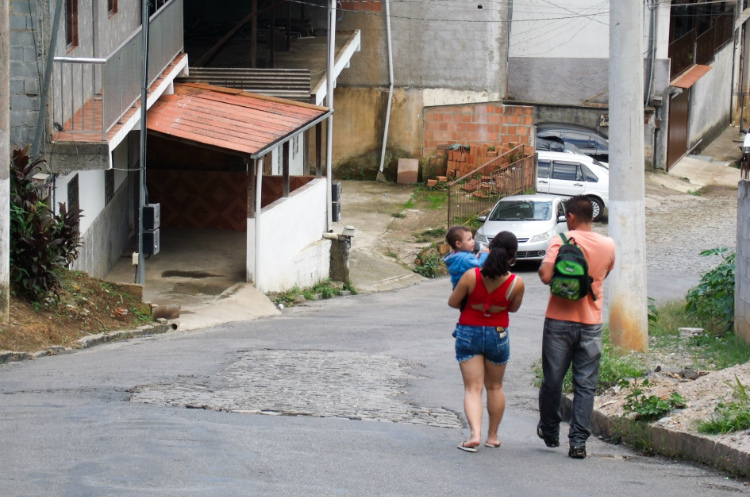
[293,251]
[710,97]
[297,156]
[570,29]
[90,194]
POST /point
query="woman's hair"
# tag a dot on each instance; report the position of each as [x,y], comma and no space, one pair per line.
[502,251]
[455,234]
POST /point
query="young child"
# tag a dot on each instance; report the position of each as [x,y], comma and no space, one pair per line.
[462,258]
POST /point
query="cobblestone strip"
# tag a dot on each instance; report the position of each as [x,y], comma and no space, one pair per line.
[305,383]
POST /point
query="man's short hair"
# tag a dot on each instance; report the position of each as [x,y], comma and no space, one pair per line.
[580,206]
[455,234]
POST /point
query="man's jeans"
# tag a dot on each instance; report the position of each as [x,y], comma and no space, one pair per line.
[563,342]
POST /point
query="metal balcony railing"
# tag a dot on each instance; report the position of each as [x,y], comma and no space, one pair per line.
[92,94]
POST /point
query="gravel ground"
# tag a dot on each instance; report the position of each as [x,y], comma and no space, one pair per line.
[680,226]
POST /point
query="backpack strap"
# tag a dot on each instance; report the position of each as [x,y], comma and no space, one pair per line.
[563,238]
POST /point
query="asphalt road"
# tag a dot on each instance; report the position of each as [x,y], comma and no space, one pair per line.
[353,396]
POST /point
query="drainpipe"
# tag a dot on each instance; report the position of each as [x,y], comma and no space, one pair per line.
[329,101]
[45,84]
[381,176]
[651,52]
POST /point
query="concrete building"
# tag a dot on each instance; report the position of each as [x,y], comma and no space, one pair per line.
[558,62]
[214,165]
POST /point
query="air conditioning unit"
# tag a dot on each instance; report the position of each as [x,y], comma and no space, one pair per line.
[151,216]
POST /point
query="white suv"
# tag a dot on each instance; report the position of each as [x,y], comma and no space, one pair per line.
[572,174]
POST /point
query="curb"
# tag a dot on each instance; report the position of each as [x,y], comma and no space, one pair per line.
[688,446]
[162,326]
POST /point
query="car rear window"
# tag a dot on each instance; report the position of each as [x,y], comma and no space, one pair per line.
[566,171]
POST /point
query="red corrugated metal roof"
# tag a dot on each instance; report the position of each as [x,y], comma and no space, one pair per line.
[689,77]
[230,119]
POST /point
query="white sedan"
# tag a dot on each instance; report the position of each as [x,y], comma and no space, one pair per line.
[572,174]
[534,219]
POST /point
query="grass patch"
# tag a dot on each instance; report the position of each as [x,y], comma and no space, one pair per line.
[324,289]
[732,416]
[429,235]
[429,263]
[365,167]
[398,215]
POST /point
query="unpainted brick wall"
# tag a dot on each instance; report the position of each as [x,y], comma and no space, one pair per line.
[475,124]
[742,263]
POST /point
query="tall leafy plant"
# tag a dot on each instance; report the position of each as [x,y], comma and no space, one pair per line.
[712,301]
[42,244]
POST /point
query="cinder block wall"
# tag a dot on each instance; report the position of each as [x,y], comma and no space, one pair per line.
[742,262]
[475,124]
[25,73]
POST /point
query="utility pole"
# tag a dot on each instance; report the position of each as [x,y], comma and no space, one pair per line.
[4,161]
[141,273]
[628,304]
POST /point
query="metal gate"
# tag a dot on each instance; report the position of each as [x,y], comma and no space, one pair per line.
[678,127]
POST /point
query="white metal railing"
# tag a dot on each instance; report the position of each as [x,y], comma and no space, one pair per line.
[105,88]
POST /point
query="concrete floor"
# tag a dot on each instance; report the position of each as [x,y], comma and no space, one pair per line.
[204,272]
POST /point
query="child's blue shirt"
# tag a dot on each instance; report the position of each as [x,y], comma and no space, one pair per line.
[459,262]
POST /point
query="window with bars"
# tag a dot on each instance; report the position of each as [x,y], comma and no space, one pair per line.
[71,24]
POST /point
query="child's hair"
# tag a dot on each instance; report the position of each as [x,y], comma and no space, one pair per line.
[455,234]
[502,251]
[580,206]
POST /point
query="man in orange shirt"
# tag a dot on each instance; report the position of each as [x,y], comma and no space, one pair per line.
[573,333]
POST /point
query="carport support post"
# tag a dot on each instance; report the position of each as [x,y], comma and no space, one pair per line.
[258,186]
[319,150]
[628,302]
[4,161]
[285,168]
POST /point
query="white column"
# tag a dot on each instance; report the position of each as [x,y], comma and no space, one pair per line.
[628,303]
[4,161]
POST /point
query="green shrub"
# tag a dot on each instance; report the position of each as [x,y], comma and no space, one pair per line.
[42,244]
[712,301]
[651,407]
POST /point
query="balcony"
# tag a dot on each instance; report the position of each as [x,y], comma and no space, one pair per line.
[94,98]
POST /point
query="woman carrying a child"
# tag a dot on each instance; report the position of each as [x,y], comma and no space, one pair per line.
[482,341]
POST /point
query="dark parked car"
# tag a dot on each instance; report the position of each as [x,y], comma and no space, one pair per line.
[555,144]
[587,140]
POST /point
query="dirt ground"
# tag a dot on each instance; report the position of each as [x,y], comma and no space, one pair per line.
[84,306]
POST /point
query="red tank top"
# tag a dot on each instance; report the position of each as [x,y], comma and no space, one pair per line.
[474,317]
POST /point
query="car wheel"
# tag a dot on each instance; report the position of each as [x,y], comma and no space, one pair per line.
[598,208]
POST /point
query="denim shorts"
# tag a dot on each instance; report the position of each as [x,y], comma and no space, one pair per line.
[482,340]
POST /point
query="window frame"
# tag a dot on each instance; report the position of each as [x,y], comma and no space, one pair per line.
[71,24]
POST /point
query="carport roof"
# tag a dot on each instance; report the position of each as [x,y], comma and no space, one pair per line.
[230,119]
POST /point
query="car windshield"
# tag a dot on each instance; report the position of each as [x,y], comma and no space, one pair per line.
[521,210]
[601,164]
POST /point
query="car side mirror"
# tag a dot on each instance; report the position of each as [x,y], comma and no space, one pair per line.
[481,219]
[560,219]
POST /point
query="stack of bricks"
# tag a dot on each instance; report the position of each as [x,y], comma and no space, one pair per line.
[465,160]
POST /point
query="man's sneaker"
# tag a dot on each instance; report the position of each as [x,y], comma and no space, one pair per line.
[549,440]
[577,452]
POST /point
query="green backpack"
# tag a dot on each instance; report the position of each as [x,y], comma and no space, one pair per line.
[570,279]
